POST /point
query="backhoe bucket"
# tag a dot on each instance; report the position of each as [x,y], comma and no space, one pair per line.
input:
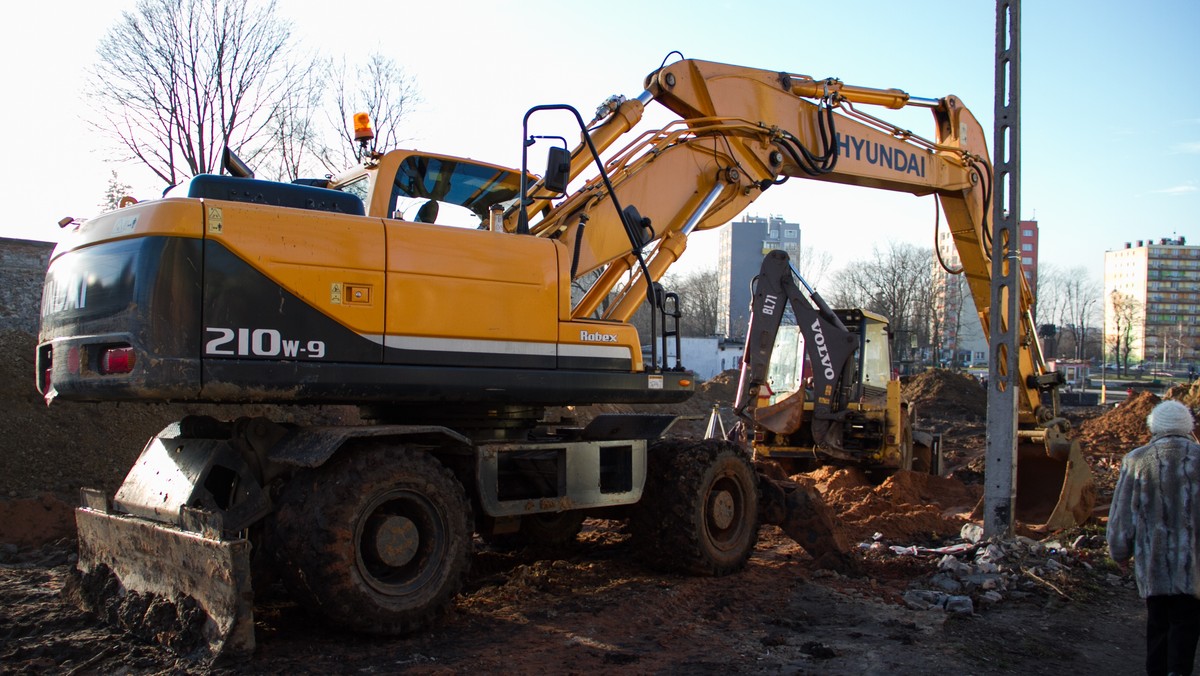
[187,590]
[1053,492]
[784,416]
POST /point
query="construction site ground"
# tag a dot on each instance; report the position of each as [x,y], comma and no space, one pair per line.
[1048,603]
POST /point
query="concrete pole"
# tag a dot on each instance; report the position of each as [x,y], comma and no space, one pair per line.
[1000,473]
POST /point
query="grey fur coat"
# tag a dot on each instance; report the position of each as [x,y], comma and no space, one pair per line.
[1155,516]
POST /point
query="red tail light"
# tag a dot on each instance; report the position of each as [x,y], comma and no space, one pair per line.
[116,360]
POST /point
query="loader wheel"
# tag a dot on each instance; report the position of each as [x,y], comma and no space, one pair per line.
[699,512]
[378,540]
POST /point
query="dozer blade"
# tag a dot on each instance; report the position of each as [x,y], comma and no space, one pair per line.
[1053,492]
[187,590]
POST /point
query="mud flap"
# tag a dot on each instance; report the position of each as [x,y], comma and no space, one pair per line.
[188,590]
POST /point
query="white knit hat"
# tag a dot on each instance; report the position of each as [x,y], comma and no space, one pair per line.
[1170,417]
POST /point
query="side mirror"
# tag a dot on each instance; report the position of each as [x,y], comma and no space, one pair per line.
[558,169]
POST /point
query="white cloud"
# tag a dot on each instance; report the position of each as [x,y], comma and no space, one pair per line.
[1190,148]
[1177,190]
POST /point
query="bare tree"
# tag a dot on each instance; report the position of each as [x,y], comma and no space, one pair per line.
[1125,313]
[699,300]
[1080,300]
[896,283]
[177,80]
[296,136]
[1069,299]
[946,324]
[383,90]
[813,264]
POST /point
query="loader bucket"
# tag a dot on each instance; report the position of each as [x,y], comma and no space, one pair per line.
[187,590]
[1053,492]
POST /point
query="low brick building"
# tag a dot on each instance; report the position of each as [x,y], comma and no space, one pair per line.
[22,269]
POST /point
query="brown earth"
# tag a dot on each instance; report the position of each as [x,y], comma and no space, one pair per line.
[588,607]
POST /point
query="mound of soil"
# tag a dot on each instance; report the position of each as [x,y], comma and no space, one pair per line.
[1188,393]
[908,507]
[946,394]
[1123,428]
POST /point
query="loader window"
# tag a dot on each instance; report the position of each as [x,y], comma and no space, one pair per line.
[876,365]
[465,187]
[785,372]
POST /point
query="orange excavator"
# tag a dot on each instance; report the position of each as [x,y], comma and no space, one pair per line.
[451,341]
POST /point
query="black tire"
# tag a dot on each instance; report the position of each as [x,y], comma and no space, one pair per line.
[699,512]
[377,540]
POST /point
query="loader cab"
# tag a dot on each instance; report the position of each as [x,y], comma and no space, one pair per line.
[874,353]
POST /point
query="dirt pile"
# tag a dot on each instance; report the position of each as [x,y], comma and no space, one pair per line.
[1188,393]
[947,395]
[907,508]
[1120,429]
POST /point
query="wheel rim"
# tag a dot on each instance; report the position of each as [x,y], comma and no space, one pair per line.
[400,542]
[724,513]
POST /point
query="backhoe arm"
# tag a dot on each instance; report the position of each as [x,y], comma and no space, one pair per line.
[828,344]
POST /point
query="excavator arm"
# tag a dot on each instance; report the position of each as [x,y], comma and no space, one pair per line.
[742,131]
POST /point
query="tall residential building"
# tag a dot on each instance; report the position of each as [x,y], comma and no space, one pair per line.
[1029,256]
[962,337]
[1162,279]
[743,244]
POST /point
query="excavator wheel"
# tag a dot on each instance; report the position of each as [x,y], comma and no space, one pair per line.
[377,540]
[699,512]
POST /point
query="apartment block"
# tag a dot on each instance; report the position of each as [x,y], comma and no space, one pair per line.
[1159,282]
[743,244]
[963,341]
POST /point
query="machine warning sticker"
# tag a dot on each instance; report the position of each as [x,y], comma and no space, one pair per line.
[124,225]
[656,382]
[215,220]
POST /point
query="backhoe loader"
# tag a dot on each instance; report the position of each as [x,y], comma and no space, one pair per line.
[821,391]
[355,289]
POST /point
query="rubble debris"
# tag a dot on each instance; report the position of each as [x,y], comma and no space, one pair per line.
[975,573]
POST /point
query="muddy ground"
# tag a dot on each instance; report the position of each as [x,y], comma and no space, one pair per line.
[589,607]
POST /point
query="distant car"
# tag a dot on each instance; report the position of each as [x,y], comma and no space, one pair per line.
[1162,374]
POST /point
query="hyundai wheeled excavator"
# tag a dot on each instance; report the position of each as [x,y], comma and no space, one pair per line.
[451,341]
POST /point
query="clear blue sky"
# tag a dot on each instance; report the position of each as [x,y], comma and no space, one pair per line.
[1110,102]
